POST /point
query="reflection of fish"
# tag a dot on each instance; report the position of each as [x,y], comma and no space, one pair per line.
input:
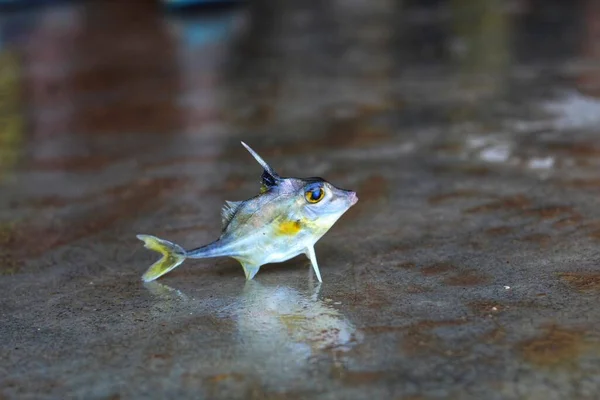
[165,292]
[286,219]
[285,318]
[279,329]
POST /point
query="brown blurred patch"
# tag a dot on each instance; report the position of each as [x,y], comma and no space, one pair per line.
[429,324]
[375,297]
[416,289]
[185,210]
[418,338]
[148,71]
[9,265]
[582,281]
[486,307]
[475,170]
[418,326]
[40,385]
[412,397]
[573,219]
[213,383]
[128,201]
[438,268]
[354,131]
[582,183]
[358,137]
[459,194]
[74,163]
[259,115]
[255,391]
[365,110]
[356,378]
[148,115]
[558,347]
[499,231]
[483,308]
[116,192]
[575,150]
[180,160]
[406,265]
[187,229]
[372,189]
[511,203]
[395,247]
[235,181]
[224,377]
[466,278]
[550,212]
[376,330]
[448,147]
[44,202]
[8,235]
[591,228]
[160,356]
[539,238]
[496,335]
[471,170]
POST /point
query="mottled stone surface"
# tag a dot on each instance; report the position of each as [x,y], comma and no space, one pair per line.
[469,269]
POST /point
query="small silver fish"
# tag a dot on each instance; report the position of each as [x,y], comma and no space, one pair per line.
[286,219]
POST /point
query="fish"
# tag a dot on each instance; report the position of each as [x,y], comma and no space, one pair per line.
[286,219]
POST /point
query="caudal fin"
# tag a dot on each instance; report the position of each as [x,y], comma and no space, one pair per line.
[173,255]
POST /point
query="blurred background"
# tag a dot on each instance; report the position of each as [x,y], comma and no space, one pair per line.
[77,74]
[468,128]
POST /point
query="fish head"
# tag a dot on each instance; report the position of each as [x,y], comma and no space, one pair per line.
[321,202]
[305,202]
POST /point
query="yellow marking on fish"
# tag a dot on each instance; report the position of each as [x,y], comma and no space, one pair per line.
[289,228]
[172,256]
[153,244]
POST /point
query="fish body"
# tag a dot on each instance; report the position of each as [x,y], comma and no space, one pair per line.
[284,220]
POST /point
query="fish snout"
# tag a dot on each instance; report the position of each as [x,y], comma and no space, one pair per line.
[353,197]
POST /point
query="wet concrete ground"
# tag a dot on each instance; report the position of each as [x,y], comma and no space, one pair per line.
[468,269]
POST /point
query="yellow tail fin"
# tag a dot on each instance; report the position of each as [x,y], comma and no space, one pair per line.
[173,255]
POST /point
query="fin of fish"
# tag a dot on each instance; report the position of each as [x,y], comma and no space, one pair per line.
[228,211]
[269,177]
[310,253]
[250,270]
[267,182]
[172,256]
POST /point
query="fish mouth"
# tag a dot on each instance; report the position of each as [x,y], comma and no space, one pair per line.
[353,198]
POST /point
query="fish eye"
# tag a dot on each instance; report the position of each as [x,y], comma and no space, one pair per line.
[315,194]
